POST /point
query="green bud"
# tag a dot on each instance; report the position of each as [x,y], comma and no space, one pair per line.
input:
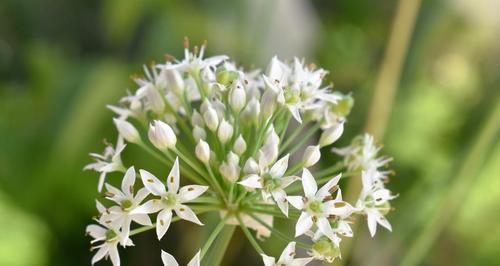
[325,248]
[343,106]
[226,77]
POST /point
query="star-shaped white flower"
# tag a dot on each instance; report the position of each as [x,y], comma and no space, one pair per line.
[109,161]
[272,182]
[171,198]
[169,260]
[317,205]
[287,258]
[374,201]
[110,236]
[121,215]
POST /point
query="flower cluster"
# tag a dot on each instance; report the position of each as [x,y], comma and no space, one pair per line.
[246,140]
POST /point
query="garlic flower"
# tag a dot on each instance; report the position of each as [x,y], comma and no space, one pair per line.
[243,142]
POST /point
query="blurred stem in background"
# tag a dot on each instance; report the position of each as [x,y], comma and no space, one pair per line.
[386,85]
[458,189]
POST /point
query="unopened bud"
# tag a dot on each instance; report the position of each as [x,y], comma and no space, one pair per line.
[268,103]
[311,156]
[225,131]
[174,80]
[127,131]
[197,119]
[240,146]
[211,118]
[199,133]
[251,167]
[202,151]
[237,97]
[331,134]
[161,135]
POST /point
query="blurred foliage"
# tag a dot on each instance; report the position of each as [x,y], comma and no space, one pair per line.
[61,62]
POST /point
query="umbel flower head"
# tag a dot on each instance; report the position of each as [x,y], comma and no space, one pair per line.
[246,142]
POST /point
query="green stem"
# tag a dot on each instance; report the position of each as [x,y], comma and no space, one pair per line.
[290,139]
[214,257]
[212,237]
[305,137]
[249,236]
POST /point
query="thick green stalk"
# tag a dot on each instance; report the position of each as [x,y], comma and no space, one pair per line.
[214,257]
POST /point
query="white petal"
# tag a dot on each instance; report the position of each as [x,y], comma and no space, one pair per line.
[151,206]
[268,261]
[141,195]
[114,256]
[325,227]
[142,219]
[153,184]
[168,260]
[287,254]
[324,191]
[187,214]
[101,252]
[128,181]
[308,183]
[279,197]
[303,224]
[195,261]
[279,168]
[96,231]
[173,177]
[296,201]
[163,222]
[251,181]
[100,184]
[372,223]
[191,192]
[288,180]
[295,113]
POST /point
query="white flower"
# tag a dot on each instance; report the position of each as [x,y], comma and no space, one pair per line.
[121,215]
[272,182]
[194,62]
[127,131]
[109,161]
[169,260]
[374,202]
[174,79]
[171,198]
[317,205]
[161,135]
[230,169]
[287,258]
[311,156]
[110,237]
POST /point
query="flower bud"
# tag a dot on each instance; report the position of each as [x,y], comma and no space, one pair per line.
[230,168]
[240,146]
[225,131]
[161,135]
[268,104]
[174,80]
[251,112]
[311,156]
[127,131]
[237,97]
[331,134]
[211,118]
[197,119]
[199,133]
[202,151]
[155,99]
[251,167]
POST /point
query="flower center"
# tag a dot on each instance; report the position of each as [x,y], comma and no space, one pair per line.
[111,235]
[125,204]
[169,200]
[271,183]
[326,248]
[291,96]
[315,206]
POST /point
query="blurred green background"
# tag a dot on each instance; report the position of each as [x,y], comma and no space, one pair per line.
[61,62]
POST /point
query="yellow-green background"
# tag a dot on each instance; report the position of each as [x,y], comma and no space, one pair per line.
[62,61]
